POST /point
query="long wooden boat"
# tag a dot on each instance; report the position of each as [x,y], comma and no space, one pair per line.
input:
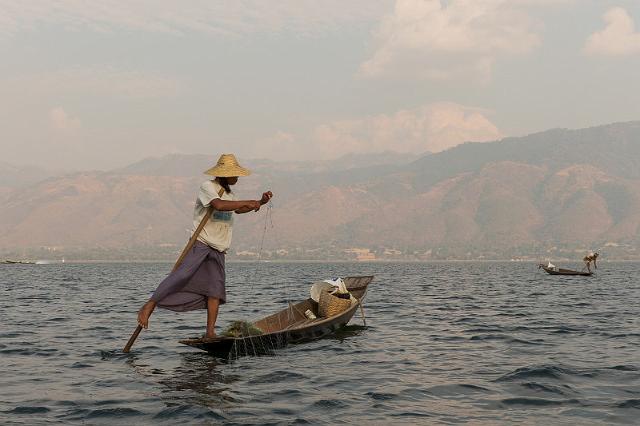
[289,325]
[561,271]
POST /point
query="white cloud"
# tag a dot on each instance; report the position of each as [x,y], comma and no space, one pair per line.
[444,40]
[433,127]
[229,18]
[61,121]
[618,38]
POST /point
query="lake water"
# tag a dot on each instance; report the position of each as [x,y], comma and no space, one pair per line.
[447,343]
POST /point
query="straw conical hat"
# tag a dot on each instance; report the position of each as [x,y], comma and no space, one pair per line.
[227,167]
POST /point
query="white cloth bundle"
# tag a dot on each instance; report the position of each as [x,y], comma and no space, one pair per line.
[338,282]
[332,286]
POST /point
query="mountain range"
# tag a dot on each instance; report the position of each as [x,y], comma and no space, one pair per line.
[556,193]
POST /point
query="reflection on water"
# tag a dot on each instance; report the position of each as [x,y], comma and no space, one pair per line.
[481,343]
[198,380]
[347,332]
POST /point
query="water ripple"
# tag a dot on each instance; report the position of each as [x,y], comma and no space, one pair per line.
[477,343]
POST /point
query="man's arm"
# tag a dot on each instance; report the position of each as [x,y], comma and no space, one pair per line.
[244,210]
[229,206]
[264,200]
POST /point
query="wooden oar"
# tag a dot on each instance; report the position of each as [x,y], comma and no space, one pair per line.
[364,320]
[188,247]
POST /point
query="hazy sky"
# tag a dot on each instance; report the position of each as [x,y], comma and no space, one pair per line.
[88,85]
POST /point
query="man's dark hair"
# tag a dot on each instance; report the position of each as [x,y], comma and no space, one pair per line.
[224,183]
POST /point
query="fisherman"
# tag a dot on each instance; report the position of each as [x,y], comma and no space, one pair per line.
[199,281]
[591,257]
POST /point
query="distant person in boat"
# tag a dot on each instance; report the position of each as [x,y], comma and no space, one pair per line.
[591,257]
[199,281]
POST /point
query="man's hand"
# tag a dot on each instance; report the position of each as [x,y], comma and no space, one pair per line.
[266,196]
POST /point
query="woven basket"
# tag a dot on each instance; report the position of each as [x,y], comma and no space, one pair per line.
[331,305]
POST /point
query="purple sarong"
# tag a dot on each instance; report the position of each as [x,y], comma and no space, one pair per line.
[199,276]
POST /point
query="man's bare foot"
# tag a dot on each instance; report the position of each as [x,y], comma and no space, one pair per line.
[145,312]
[210,335]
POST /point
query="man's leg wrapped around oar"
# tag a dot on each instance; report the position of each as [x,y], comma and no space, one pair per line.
[199,277]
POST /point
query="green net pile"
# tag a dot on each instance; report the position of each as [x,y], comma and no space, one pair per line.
[241,329]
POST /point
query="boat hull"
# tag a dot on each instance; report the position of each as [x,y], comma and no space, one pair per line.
[561,271]
[292,327]
[265,344]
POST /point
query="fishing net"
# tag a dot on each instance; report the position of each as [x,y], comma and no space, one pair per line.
[241,329]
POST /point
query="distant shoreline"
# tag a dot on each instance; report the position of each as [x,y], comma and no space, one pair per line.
[232,261]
